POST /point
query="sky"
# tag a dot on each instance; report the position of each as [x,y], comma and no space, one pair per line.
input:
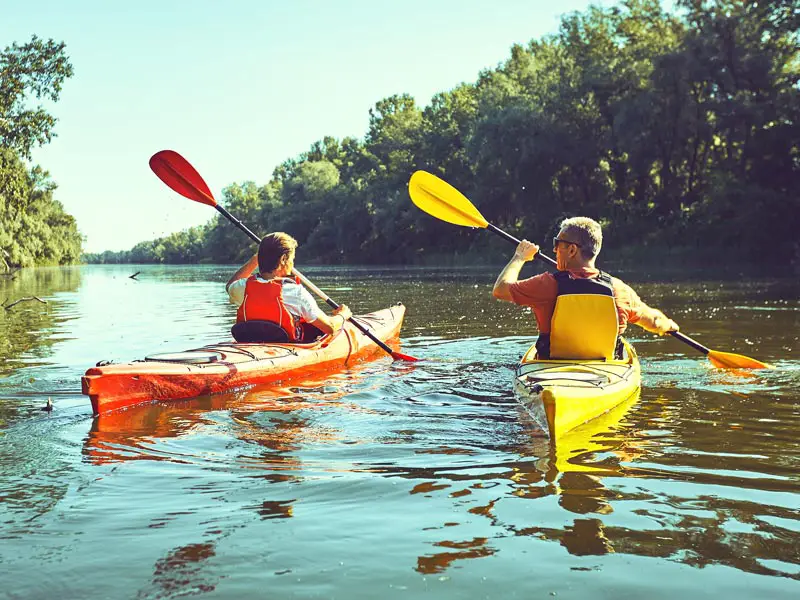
[238,87]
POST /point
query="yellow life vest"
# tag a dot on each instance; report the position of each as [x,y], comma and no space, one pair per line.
[585,322]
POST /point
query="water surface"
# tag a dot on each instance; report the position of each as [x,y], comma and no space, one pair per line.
[391,479]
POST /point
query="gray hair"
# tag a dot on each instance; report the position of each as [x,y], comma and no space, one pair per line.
[586,232]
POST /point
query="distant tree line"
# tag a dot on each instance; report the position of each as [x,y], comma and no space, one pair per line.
[674,129]
[34,229]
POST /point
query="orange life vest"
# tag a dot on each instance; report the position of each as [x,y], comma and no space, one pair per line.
[263,301]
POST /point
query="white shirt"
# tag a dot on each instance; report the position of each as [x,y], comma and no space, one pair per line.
[297,299]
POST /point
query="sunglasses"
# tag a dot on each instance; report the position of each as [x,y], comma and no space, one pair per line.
[557,241]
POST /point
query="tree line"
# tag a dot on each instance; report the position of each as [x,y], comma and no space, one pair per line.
[34,228]
[677,130]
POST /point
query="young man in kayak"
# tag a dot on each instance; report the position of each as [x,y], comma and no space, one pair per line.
[275,296]
[580,311]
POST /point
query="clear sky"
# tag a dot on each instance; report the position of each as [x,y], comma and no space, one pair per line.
[237,87]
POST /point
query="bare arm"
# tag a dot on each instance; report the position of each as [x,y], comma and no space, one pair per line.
[655,321]
[244,271]
[335,322]
[510,274]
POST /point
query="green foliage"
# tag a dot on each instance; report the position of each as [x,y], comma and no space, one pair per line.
[675,130]
[34,229]
[184,247]
[35,69]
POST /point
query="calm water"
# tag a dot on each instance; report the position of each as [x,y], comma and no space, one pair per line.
[392,480]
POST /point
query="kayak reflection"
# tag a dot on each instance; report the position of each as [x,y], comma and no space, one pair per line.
[140,433]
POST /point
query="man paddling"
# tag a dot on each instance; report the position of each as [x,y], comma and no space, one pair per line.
[580,311]
[273,296]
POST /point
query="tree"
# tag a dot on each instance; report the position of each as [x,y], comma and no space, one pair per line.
[34,229]
[36,69]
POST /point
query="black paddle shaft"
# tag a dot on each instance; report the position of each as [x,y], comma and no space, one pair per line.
[238,223]
[687,340]
[510,238]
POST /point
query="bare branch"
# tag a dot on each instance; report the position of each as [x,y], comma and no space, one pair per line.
[24,300]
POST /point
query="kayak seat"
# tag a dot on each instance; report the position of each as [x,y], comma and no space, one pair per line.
[258,331]
[255,331]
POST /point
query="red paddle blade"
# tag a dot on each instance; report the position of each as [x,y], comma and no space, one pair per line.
[177,173]
[406,357]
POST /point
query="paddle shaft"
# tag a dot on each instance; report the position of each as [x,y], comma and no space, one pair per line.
[306,282]
[690,342]
[510,238]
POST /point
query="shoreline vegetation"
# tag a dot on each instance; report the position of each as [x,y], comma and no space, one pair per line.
[679,132]
[34,228]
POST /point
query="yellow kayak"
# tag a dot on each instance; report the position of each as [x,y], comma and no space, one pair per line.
[563,394]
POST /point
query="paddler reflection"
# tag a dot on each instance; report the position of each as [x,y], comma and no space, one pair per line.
[574,468]
[577,465]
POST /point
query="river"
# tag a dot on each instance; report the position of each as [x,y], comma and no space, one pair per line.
[394,480]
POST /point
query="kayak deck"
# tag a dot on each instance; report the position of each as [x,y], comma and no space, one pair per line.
[563,394]
[233,365]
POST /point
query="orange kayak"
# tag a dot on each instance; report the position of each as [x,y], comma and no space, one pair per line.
[230,365]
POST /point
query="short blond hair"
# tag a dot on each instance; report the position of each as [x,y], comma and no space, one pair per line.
[586,232]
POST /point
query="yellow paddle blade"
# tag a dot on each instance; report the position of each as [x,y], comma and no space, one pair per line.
[441,200]
[728,360]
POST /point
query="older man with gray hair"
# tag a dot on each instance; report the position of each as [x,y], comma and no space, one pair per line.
[580,311]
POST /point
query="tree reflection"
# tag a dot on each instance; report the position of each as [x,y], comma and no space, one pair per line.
[25,328]
[266,418]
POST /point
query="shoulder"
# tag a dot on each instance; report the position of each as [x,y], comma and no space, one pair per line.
[619,284]
[537,288]
[543,279]
[292,287]
[236,285]
[623,292]
[299,298]
[236,291]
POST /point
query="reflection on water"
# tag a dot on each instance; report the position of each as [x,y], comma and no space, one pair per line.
[32,327]
[396,478]
[181,572]
[29,329]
